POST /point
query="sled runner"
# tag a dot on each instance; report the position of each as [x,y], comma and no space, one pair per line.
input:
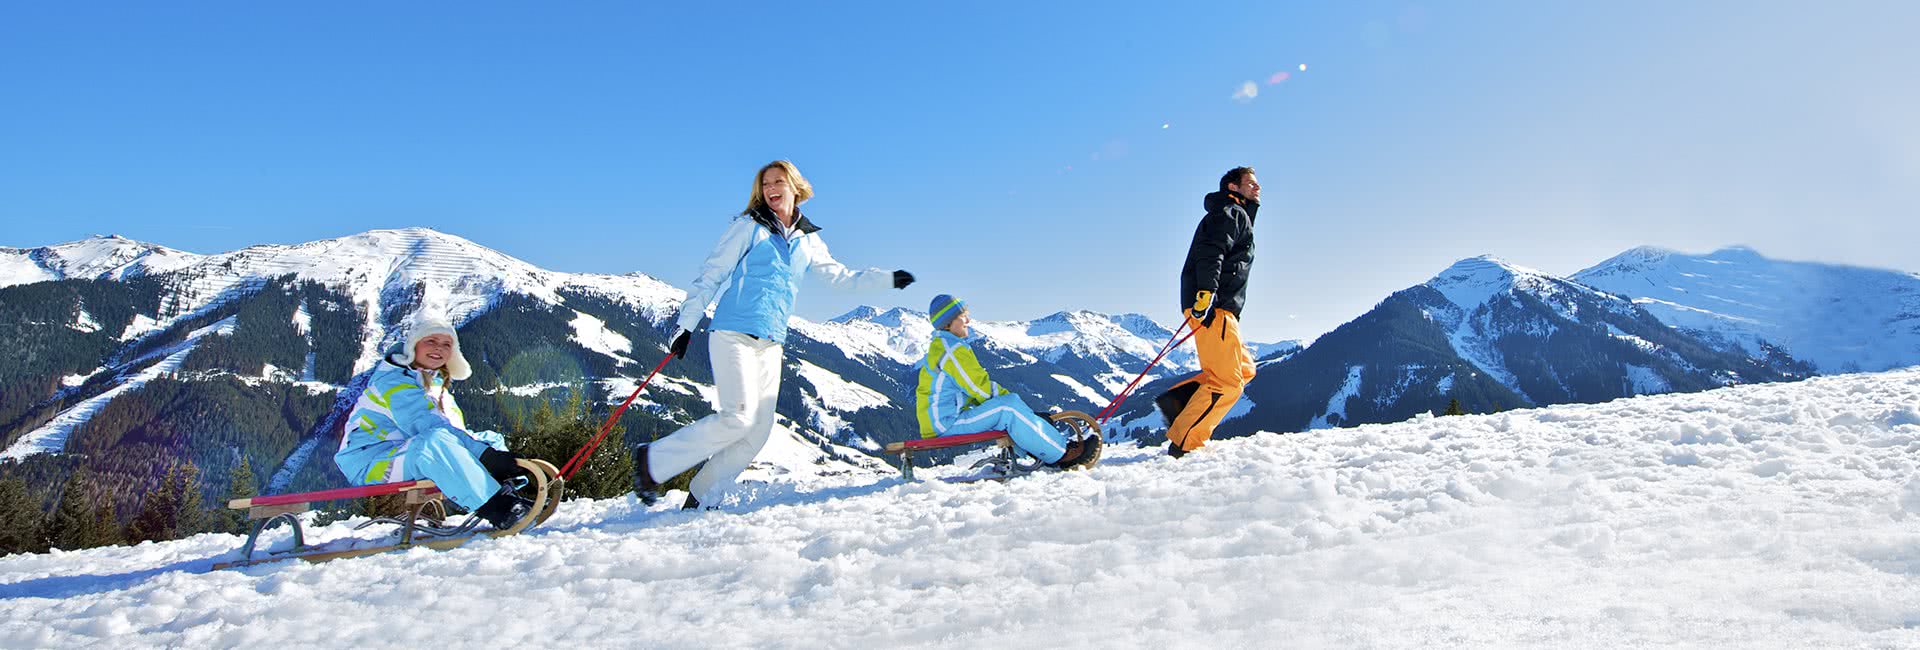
[1005,463]
[425,511]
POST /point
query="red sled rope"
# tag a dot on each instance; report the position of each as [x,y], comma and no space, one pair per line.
[1172,342]
[579,459]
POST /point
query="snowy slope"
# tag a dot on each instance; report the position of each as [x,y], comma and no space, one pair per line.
[1765,516]
[52,436]
[1840,318]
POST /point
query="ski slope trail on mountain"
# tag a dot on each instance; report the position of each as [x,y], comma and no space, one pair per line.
[1765,516]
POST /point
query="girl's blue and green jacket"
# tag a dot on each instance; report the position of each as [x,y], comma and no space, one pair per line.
[407,427]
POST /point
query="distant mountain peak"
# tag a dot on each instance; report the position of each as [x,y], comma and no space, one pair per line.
[1741,301]
[892,317]
[1737,252]
[863,312]
[1470,282]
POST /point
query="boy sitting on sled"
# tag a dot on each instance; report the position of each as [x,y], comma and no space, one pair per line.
[955,397]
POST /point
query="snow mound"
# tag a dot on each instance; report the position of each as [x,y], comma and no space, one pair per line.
[1765,516]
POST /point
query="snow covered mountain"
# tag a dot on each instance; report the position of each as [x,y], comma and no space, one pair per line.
[1838,318]
[104,319]
[1488,333]
[1769,516]
[1087,354]
[100,257]
[377,268]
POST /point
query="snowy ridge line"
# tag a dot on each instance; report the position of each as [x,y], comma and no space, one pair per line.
[1598,525]
[52,436]
[1838,318]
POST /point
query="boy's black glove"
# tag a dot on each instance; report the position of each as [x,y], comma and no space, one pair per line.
[901,279]
[679,347]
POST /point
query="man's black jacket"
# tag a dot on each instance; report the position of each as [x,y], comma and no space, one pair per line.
[1222,252]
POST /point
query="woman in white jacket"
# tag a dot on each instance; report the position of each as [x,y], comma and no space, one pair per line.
[750,280]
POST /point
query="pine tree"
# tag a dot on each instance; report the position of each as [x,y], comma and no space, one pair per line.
[173,510]
[1453,408]
[106,525]
[71,526]
[190,516]
[609,471]
[154,523]
[240,486]
[556,436]
[20,525]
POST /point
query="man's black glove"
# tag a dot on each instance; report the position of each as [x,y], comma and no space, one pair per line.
[901,279]
[679,347]
[1044,415]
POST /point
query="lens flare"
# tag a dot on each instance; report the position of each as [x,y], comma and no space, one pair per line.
[1247,92]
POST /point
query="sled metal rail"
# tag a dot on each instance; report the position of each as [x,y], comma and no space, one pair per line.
[906,449]
[425,510]
[1005,459]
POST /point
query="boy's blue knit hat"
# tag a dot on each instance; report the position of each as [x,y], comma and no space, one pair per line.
[944,309]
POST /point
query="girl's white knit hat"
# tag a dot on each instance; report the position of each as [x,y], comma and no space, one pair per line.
[423,326]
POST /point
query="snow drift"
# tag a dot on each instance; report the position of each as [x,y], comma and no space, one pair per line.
[1781,515]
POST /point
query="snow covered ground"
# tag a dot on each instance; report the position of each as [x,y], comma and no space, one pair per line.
[1767,516]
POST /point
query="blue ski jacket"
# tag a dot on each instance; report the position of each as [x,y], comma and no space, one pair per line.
[754,275]
[397,406]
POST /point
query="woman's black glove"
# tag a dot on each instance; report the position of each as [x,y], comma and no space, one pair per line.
[901,279]
[679,347]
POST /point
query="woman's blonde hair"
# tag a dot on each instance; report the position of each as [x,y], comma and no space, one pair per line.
[802,190]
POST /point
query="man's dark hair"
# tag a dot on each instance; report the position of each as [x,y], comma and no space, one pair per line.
[1234,177]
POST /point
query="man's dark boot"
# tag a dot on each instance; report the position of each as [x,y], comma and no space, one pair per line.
[1172,402]
[1174,450]
[643,483]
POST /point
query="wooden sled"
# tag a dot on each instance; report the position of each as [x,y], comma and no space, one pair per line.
[419,527]
[1004,464]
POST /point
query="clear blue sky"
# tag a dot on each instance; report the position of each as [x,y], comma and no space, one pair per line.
[1029,156]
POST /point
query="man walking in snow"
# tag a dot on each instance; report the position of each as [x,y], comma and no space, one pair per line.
[1213,289]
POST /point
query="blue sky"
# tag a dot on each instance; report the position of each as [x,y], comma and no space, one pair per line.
[1027,156]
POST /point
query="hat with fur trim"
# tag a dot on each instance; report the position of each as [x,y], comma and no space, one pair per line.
[423,326]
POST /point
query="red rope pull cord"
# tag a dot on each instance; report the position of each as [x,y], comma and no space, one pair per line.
[1172,342]
[579,459]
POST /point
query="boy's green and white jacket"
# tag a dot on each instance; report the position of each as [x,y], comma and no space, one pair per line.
[951,380]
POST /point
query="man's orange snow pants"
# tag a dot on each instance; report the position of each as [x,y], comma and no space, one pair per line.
[1225,369]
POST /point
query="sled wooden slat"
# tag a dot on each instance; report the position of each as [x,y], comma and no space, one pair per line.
[944,442]
[266,512]
[330,495]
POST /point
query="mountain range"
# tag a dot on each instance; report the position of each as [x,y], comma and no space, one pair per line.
[130,351]
[126,351]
